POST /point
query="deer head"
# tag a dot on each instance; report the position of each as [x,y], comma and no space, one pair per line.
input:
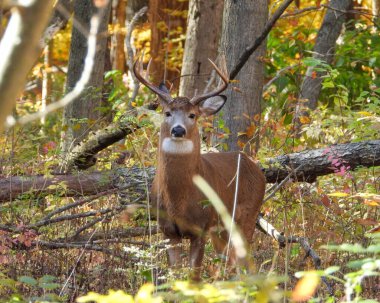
[179,132]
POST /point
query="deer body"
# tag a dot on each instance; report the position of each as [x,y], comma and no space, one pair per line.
[182,213]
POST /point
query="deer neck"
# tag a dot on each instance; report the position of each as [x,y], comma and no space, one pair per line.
[176,169]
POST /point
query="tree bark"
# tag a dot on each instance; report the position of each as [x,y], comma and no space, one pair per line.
[166,21]
[243,22]
[19,49]
[376,11]
[312,163]
[81,114]
[324,50]
[376,7]
[118,55]
[204,25]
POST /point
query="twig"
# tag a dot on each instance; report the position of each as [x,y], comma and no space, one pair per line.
[249,50]
[74,216]
[347,11]
[268,229]
[93,222]
[278,74]
[118,233]
[79,203]
[275,188]
[301,11]
[7,228]
[130,52]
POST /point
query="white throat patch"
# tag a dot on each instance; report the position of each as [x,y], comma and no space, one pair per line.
[177,146]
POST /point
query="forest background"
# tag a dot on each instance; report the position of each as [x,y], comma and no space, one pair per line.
[79,142]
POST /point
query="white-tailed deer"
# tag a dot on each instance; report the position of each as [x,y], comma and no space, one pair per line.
[182,214]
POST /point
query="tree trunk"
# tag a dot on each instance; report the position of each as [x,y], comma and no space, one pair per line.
[243,22]
[167,23]
[376,7]
[376,11]
[307,166]
[118,55]
[82,114]
[324,50]
[202,41]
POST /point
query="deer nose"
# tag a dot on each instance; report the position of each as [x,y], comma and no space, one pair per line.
[178,131]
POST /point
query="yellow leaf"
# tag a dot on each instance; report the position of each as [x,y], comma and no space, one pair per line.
[304,119]
[251,130]
[363,113]
[145,295]
[371,202]
[113,297]
[338,194]
[306,287]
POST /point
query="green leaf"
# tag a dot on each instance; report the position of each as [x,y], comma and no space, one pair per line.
[47,279]
[49,286]
[310,61]
[28,280]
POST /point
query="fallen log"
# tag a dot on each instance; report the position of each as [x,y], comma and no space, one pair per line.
[312,163]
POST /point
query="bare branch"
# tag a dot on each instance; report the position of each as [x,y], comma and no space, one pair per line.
[19,49]
[130,52]
[278,75]
[298,12]
[80,85]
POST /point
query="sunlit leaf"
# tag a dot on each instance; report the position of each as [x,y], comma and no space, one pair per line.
[338,194]
[306,287]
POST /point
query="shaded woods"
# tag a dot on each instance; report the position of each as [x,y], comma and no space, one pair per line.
[79,144]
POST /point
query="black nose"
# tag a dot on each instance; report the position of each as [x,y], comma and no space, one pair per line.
[178,131]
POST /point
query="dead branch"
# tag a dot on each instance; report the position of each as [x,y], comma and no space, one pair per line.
[80,202]
[83,155]
[269,230]
[298,12]
[19,49]
[130,52]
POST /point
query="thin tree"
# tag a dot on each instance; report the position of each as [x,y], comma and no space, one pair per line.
[118,53]
[324,49]
[83,113]
[204,26]
[243,22]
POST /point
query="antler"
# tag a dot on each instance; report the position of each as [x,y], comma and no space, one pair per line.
[137,67]
[195,100]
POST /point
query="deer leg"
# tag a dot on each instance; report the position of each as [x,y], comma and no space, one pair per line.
[174,252]
[197,248]
[219,241]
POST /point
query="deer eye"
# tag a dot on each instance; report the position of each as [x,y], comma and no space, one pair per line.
[192,116]
[168,114]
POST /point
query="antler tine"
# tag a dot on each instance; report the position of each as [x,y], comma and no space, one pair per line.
[196,99]
[137,67]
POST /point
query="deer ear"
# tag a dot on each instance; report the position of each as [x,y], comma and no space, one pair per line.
[212,105]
